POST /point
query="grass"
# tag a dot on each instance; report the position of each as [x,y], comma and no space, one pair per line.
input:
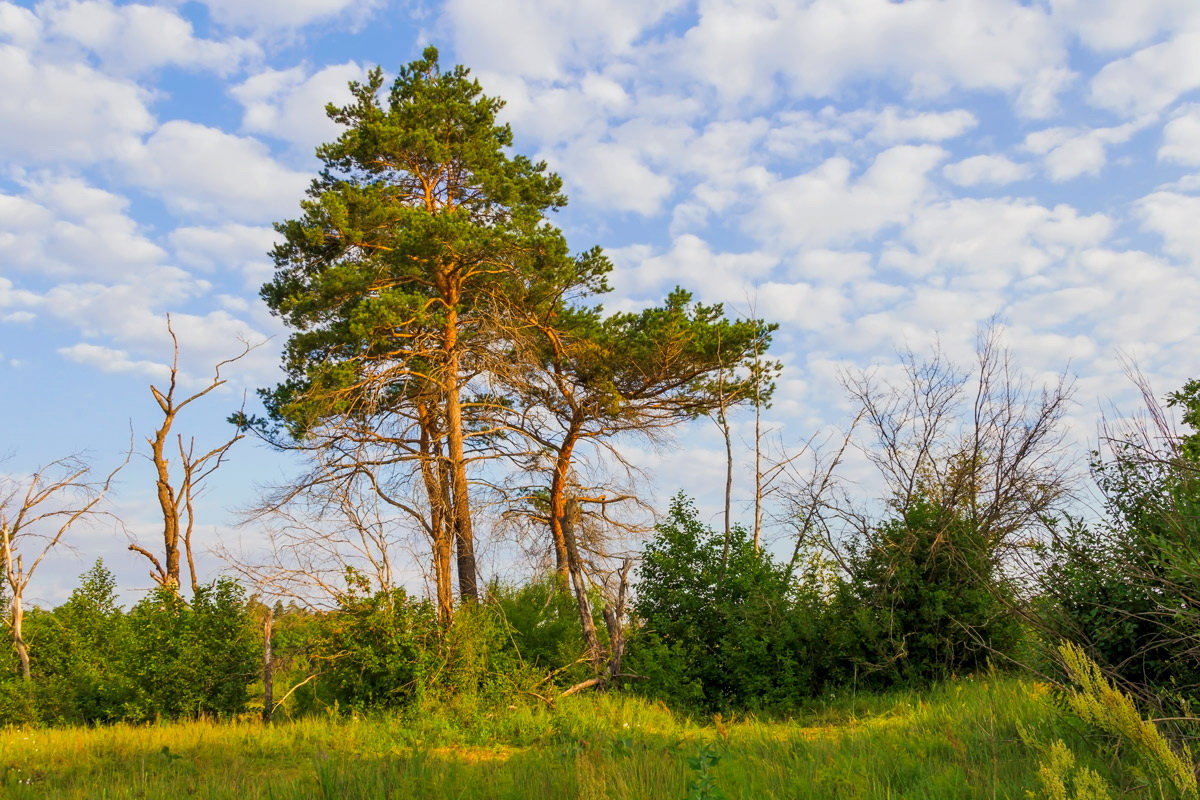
[958,740]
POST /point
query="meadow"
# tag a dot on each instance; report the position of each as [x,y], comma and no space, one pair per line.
[971,738]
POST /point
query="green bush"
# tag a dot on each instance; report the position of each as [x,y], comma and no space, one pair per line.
[722,621]
[190,660]
[80,654]
[373,650]
[925,600]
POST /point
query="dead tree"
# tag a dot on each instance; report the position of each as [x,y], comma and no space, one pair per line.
[36,512]
[176,496]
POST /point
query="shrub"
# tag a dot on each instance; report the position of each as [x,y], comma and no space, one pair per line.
[722,620]
[926,599]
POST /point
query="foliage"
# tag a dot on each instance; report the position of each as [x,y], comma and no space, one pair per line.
[1061,778]
[81,653]
[721,620]
[372,651]
[191,659]
[1124,587]
[926,599]
[1099,704]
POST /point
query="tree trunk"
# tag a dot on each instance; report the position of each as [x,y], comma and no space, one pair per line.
[723,421]
[464,538]
[268,665]
[17,614]
[434,476]
[563,513]
[169,575]
[758,475]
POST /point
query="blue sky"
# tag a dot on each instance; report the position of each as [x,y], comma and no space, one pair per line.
[869,174]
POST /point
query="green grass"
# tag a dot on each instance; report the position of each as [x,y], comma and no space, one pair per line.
[959,740]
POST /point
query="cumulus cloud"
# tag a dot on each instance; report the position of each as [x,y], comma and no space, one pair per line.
[613,176]
[1181,137]
[996,170]
[264,15]
[241,248]
[203,171]
[1151,79]
[65,228]
[692,263]
[65,112]
[106,359]
[19,25]
[552,36]
[895,125]
[829,205]
[816,48]
[1173,217]
[1119,24]
[290,104]
[1071,152]
[993,243]
[134,38]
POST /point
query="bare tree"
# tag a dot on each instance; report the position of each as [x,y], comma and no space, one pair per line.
[36,512]
[325,526]
[985,443]
[176,497]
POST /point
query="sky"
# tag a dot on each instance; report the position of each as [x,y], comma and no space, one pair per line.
[871,175]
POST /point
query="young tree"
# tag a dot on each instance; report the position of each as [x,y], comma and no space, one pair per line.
[419,223]
[36,512]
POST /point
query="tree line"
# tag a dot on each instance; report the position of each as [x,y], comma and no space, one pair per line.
[449,360]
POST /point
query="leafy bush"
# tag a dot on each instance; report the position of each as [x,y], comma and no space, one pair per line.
[372,652]
[1125,587]
[926,599]
[190,660]
[80,664]
[722,622]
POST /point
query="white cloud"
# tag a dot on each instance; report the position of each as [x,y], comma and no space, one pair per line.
[1181,137]
[106,359]
[243,248]
[895,125]
[550,36]
[285,14]
[613,176]
[1151,79]
[819,47]
[290,104]
[134,38]
[1173,217]
[19,25]
[993,243]
[203,171]
[691,263]
[62,227]
[827,205]
[987,169]
[1070,152]
[1120,24]
[1038,98]
[801,306]
[69,112]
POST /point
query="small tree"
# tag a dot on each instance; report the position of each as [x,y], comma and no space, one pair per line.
[723,626]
